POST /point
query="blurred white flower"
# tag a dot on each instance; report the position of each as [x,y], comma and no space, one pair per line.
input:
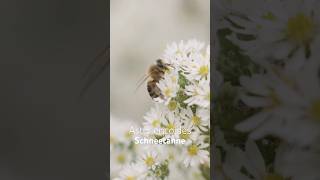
[119,159]
[252,161]
[121,130]
[290,105]
[199,93]
[299,163]
[281,29]
[132,172]
[154,117]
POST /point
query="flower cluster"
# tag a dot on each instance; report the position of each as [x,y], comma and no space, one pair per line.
[183,112]
[268,108]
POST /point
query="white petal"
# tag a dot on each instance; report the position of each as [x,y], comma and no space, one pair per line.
[253,121]
[255,157]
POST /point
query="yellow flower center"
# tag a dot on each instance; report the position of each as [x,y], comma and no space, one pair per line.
[130,178]
[300,29]
[184,134]
[121,158]
[315,110]
[203,70]
[275,101]
[170,126]
[155,123]
[149,161]
[167,92]
[269,16]
[193,150]
[128,135]
[196,120]
[273,177]
[172,105]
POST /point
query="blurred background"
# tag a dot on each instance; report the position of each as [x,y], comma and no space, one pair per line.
[139,33]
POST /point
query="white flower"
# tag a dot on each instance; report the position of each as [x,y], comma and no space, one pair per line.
[154,117]
[199,119]
[281,29]
[199,93]
[150,159]
[196,69]
[189,133]
[219,140]
[290,105]
[171,125]
[121,130]
[169,85]
[119,159]
[179,53]
[194,46]
[263,92]
[252,161]
[196,153]
[175,53]
[132,172]
[298,163]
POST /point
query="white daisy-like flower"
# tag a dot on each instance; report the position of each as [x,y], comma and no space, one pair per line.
[199,119]
[132,172]
[198,68]
[154,117]
[189,132]
[179,53]
[199,93]
[118,160]
[290,106]
[196,153]
[252,161]
[169,86]
[219,141]
[263,93]
[171,124]
[175,53]
[121,130]
[194,46]
[150,159]
[281,29]
[217,166]
[298,163]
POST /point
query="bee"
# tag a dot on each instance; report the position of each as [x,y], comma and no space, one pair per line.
[155,74]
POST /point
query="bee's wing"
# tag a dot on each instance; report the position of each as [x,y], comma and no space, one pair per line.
[141,81]
[95,69]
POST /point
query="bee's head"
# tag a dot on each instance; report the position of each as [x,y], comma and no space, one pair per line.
[161,64]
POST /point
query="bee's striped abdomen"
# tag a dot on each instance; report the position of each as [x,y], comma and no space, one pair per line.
[153,89]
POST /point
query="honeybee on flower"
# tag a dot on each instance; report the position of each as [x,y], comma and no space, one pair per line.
[181,109]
